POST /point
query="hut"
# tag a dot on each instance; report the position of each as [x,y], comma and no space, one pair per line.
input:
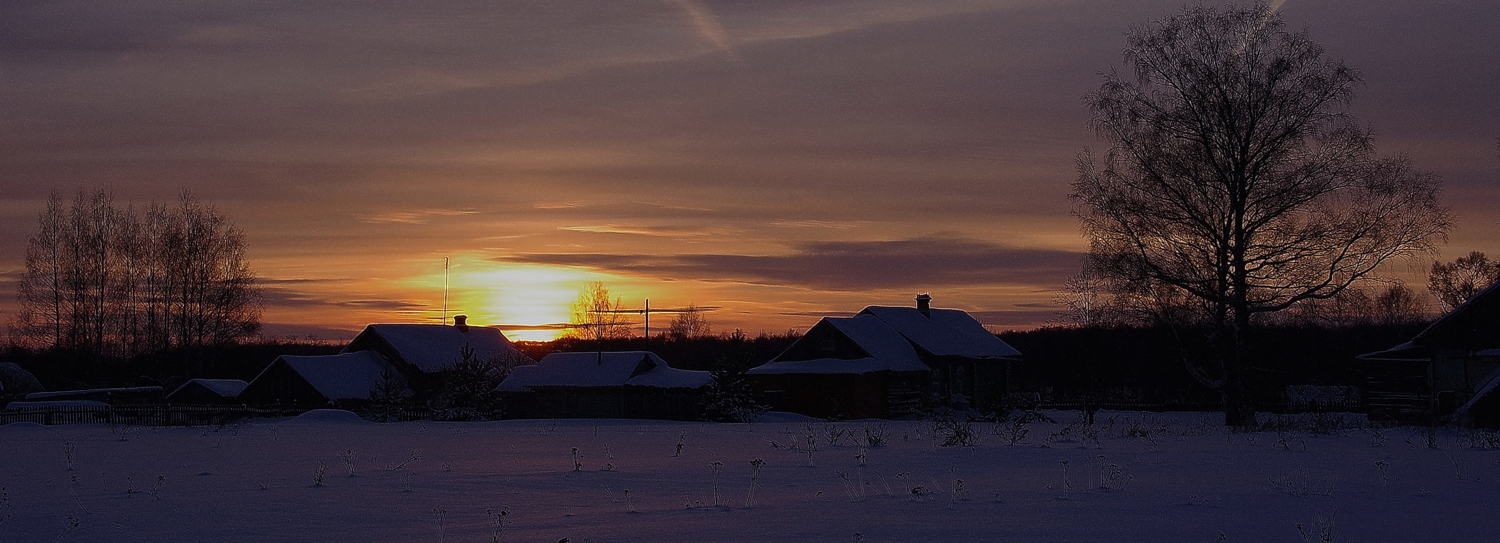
[207,392]
[888,362]
[626,384]
[342,380]
[1440,370]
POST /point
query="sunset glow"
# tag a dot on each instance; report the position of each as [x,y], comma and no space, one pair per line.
[780,161]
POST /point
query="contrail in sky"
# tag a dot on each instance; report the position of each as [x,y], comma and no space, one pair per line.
[708,26]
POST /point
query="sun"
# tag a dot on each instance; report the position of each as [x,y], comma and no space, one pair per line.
[523,300]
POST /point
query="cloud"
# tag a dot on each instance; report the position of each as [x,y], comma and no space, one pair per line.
[290,298]
[844,265]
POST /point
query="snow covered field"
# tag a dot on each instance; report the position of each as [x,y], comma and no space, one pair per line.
[1141,477]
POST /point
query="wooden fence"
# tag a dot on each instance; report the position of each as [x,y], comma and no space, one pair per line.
[140,415]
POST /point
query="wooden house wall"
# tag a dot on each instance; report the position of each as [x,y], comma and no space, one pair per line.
[829,396]
[1398,391]
[662,403]
[982,383]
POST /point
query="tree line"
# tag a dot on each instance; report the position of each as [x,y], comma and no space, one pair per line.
[103,280]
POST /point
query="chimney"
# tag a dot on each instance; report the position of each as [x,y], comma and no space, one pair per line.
[461,323]
[923,302]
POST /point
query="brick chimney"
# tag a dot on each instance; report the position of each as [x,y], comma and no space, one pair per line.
[924,305]
[461,322]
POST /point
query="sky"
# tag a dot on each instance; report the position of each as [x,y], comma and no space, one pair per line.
[777,161]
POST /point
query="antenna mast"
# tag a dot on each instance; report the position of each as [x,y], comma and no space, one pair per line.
[445,290]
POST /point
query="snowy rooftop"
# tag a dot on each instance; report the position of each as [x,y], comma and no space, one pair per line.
[948,332]
[72,393]
[340,376]
[610,369]
[435,347]
[227,388]
[887,350]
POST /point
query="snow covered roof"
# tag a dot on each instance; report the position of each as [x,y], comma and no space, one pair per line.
[610,369]
[92,392]
[887,350]
[435,347]
[1472,326]
[227,388]
[1485,387]
[340,376]
[948,332]
[1405,352]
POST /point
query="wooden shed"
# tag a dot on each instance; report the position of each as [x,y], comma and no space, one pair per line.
[1441,368]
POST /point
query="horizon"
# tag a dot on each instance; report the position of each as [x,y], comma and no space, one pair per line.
[779,162]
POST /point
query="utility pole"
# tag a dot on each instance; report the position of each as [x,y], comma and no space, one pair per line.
[445,290]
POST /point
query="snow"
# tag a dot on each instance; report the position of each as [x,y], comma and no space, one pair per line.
[610,369]
[435,347]
[948,332]
[427,481]
[227,388]
[341,376]
[328,416]
[66,393]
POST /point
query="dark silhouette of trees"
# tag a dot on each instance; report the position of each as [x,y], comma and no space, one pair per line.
[1235,179]
[688,324]
[103,281]
[1457,281]
[596,317]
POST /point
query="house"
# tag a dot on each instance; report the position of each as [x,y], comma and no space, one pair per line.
[422,352]
[1442,368]
[887,362]
[318,381]
[207,392]
[628,384]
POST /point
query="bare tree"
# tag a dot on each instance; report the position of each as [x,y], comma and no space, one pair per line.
[689,323]
[99,280]
[596,317]
[1235,176]
[42,291]
[1457,281]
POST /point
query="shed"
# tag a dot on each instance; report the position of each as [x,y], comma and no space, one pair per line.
[1441,368]
[622,384]
[318,381]
[207,392]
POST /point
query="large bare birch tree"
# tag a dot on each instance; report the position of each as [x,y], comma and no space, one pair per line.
[1235,176]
